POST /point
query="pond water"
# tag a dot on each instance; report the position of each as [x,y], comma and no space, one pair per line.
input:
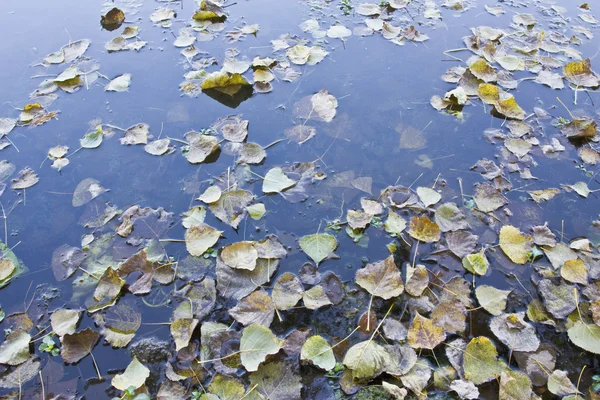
[347,124]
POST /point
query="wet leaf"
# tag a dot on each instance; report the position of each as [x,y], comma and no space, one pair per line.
[318,352]
[200,238]
[476,263]
[158,147]
[318,246]
[300,133]
[580,128]
[193,217]
[256,344]
[119,84]
[366,359]
[279,380]
[315,298]
[136,134]
[93,139]
[465,389]
[301,54]
[575,271]
[16,377]
[66,260]
[423,229]
[135,375]
[514,385]
[428,196]
[586,336]
[514,332]
[276,181]
[491,299]
[26,179]
[580,73]
[181,330]
[257,308]
[480,362]
[226,388]
[238,283]
[381,279]
[251,153]
[75,346]
[287,291]
[15,348]
[424,334]
[65,321]
[240,255]
[515,244]
[449,218]
[461,243]
[560,299]
[560,384]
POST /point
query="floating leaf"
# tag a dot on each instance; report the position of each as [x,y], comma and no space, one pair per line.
[257,308]
[240,255]
[135,375]
[181,330]
[76,346]
[318,246]
[476,263]
[580,73]
[580,128]
[560,384]
[491,299]
[423,229]
[480,361]
[276,181]
[26,179]
[586,336]
[318,352]
[65,321]
[200,238]
[575,271]
[136,134]
[93,139]
[15,348]
[424,334]
[449,218]
[119,84]
[256,344]
[279,380]
[381,279]
[514,332]
[287,291]
[516,245]
[366,359]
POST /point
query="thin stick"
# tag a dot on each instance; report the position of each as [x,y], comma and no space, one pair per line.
[566,108]
[272,144]
[42,382]
[5,227]
[178,140]
[253,387]
[96,366]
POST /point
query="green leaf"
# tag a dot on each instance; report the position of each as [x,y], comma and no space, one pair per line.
[135,376]
[480,361]
[276,181]
[256,344]
[318,246]
[586,336]
[317,350]
[366,359]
